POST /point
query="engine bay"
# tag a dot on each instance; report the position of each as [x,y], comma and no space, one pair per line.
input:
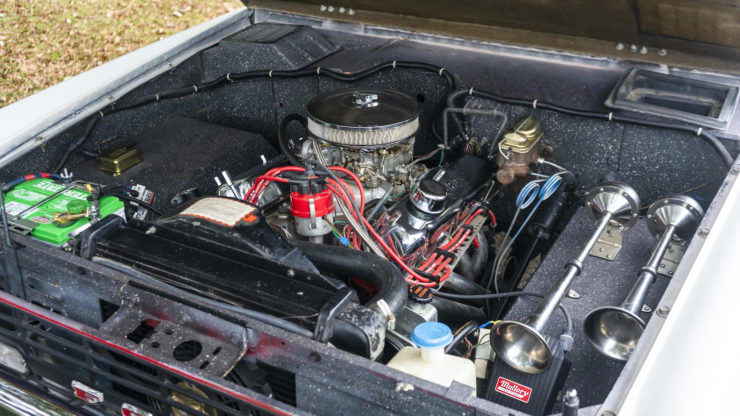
[413,206]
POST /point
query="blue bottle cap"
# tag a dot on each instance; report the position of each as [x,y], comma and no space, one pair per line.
[431,335]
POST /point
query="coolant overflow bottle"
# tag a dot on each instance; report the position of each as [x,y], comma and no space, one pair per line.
[429,360]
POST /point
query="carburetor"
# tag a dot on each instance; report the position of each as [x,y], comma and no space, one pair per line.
[369,131]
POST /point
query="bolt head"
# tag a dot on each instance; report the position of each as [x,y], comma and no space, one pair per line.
[619,46]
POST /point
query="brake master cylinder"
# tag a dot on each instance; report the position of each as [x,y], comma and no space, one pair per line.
[519,148]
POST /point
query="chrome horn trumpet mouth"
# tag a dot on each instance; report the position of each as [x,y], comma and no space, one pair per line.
[613,331]
[523,348]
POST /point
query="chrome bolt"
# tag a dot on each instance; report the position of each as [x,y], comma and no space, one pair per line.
[663,311]
[703,232]
[643,50]
[620,46]
[573,294]
[662,52]
[646,309]
[290,273]
[633,48]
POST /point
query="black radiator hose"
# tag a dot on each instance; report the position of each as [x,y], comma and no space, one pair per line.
[382,274]
[451,311]
[459,284]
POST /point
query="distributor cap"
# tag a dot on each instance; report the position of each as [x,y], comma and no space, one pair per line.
[365,117]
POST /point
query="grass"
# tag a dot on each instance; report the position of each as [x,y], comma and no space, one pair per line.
[43,42]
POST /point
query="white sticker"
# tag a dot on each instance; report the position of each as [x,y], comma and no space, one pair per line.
[14,208]
[223,211]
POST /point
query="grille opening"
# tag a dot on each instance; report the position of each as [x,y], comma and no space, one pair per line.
[144,330]
[187,351]
[5,319]
[107,309]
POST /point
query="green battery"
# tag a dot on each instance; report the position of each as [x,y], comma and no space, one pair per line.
[31,205]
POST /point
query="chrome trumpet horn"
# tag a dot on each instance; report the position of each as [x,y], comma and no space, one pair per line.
[615,330]
[521,344]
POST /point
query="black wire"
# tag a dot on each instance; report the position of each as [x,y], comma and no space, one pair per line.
[249,75]
[77,143]
[568,320]
[718,147]
[519,273]
[283,140]
[138,202]
[6,228]
[468,329]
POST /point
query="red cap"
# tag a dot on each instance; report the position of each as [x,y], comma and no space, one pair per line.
[322,201]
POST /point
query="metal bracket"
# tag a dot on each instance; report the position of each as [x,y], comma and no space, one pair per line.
[609,243]
[671,258]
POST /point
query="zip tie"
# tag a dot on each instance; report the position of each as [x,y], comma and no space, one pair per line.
[228,77]
[101,113]
[610,115]
[534,103]
[156,97]
[394,64]
[441,70]
[470,91]
[318,71]
[698,131]
[195,88]
[269,74]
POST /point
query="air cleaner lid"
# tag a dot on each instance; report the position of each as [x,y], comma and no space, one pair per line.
[363,116]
